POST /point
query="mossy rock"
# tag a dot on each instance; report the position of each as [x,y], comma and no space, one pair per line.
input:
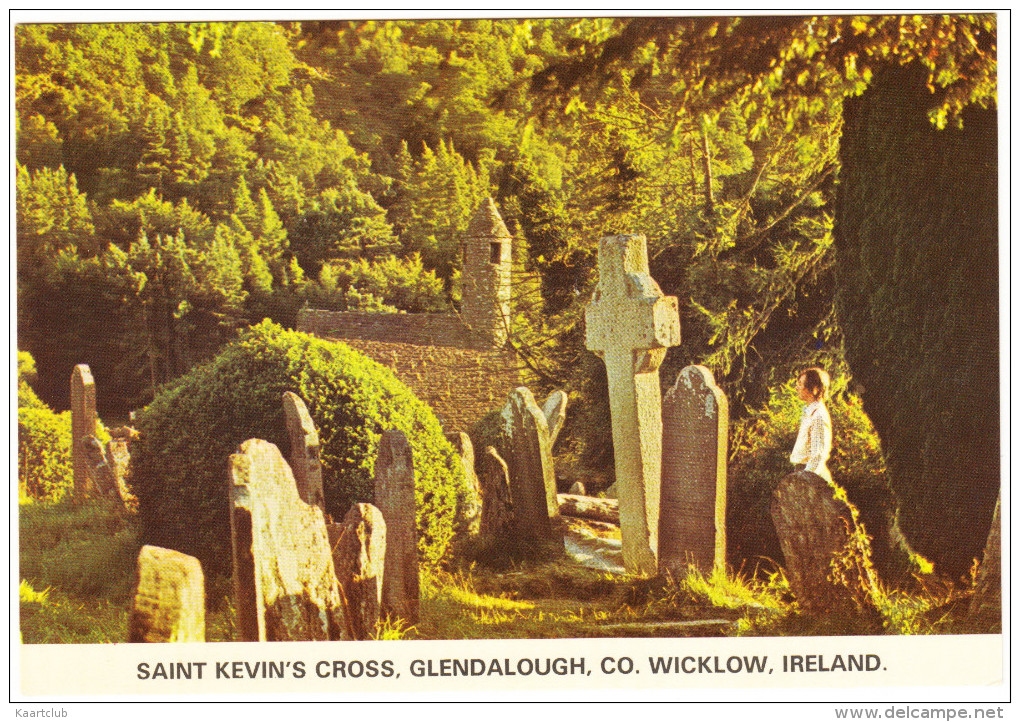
[179,465]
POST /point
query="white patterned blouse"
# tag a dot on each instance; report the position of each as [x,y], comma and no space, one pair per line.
[814,440]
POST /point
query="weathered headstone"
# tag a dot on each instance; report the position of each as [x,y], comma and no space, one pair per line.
[83,424]
[555,410]
[101,476]
[394,496]
[692,509]
[285,585]
[359,554]
[987,599]
[577,488]
[630,324]
[532,478]
[497,508]
[471,511]
[169,600]
[304,450]
[827,555]
[118,457]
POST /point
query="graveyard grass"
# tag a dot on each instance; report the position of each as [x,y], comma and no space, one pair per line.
[77,566]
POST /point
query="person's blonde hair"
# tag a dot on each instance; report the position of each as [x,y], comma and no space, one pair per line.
[816,380]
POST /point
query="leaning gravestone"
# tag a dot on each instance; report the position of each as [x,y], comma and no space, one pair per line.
[101,474]
[555,410]
[532,478]
[630,324]
[359,554]
[169,600]
[692,507]
[83,425]
[497,508]
[827,554]
[285,585]
[471,511]
[118,456]
[394,496]
[304,450]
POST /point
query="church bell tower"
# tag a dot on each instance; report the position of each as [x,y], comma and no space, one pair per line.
[485,304]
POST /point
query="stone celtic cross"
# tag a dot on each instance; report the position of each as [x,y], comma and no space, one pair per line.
[630,324]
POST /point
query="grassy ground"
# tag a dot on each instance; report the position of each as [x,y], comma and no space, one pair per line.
[77,570]
[77,566]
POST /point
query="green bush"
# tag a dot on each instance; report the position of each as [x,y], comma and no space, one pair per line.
[180,464]
[44,453]
[760,458]
[27,397]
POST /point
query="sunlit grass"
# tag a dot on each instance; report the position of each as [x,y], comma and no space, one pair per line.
[78,564]
[734,590]
[55,617]
[77,567]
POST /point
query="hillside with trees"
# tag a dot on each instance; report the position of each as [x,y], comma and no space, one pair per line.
[180,182]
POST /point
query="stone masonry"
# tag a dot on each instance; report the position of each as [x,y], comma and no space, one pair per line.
[456,363]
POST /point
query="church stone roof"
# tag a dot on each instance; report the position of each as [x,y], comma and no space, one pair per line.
[486,222]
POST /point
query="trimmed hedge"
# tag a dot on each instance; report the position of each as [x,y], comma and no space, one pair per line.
[44,453]
[44,441]
[761,458]
[179,465]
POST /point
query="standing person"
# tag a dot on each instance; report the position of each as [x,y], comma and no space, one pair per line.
[814,439]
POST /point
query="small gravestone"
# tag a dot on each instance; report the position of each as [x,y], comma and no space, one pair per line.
[692,511]
[532,479]
[630,324]
[304,450]
[359,554]
[169,600]
[394,496]
[827,554]
[101,475]
[577,488]
[497,508]
[987,599]
[285,585]
[471,511]
[555,410]
[118,456]
[83,425]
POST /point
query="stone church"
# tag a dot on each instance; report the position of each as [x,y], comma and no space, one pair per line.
[457,363]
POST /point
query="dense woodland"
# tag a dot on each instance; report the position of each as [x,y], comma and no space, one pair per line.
[179,182]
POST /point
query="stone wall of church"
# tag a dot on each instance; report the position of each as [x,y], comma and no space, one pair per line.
[426,352]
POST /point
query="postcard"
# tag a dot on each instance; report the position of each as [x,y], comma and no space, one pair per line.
[511,357]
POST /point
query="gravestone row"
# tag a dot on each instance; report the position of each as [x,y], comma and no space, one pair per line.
[670,456]
[297,576]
